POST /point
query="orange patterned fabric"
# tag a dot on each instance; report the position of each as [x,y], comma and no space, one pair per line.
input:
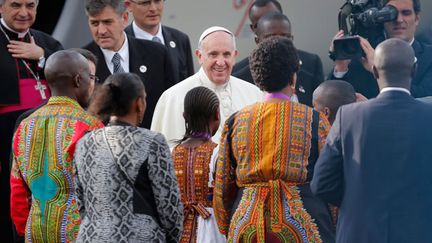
[192,171]
[266,149]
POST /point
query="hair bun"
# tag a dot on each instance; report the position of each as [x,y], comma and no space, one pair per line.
[115,90]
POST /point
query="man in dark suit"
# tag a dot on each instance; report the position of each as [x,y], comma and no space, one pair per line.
[118,52]
[311,70]
[376,164]
[147,25]
[359,73]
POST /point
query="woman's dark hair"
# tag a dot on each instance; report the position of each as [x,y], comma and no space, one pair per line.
[115,95]
[273,63]
[200,105]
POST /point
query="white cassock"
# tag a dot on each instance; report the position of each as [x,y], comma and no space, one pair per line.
[233,96]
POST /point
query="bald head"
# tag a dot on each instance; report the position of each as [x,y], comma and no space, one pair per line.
[332,94]
[394,64]
[273,24]
[68,74]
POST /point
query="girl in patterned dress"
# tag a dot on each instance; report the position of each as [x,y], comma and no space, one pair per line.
[194,162]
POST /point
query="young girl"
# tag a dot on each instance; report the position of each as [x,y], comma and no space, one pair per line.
[194,163]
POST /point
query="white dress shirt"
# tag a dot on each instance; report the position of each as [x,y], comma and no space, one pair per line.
[124,54]
[142,34]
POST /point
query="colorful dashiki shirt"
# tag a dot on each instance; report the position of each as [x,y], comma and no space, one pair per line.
[43,202]
[194,168]
[266,160]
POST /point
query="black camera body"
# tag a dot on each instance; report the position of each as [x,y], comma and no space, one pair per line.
[365,18]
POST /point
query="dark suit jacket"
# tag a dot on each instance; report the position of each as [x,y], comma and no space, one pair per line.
[179,50]
[309,77]
[9,93]
[376,165]
[364,82]
[157,78]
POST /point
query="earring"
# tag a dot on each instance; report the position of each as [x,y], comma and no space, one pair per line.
[139,118]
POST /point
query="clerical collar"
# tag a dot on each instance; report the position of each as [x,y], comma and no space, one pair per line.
[387,89]
[412,42]
[223,92]
[142,34]
[20,35]
[205,81]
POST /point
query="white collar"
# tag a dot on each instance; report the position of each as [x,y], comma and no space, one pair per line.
[387,89]
[205,81]
[412,42]
[142,34]
[20,34]
[123,51]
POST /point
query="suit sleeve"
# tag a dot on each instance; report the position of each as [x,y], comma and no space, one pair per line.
[424,87]
[169,79]
[327,181]
[165,188]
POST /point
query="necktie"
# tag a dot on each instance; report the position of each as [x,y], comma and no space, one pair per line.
[116,61]
[156,39]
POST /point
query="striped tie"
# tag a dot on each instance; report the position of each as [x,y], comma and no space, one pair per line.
[116,61]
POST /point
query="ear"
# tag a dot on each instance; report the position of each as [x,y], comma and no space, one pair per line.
[294,81]
[414,71]
[125,18]
[417,19]
[236,53]
[375,72]
[217,116]
[256,39]
[326,112]
[198,54]
[140,104]
[77,81]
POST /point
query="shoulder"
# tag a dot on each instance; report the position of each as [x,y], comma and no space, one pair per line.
[175,32]
[154,139]
[129,30]
[182,87]
[427,99]
[307,55]
[146,44]
[241,84]
[147,47]
[91,46]
[47,39]
[241,64]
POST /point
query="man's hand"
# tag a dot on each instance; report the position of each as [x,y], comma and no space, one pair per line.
[370,53]
[340,65]
[24,50]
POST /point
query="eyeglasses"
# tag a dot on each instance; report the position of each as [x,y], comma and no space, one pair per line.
[94,77]
[146,3]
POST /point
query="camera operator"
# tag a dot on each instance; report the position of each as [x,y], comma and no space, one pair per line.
[359,72]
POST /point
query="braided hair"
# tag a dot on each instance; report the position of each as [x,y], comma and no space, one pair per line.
[200,106]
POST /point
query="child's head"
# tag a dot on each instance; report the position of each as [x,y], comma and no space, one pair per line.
[201,112]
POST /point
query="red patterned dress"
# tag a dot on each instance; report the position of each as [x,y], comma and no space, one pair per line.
[194,168]
[265,163]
